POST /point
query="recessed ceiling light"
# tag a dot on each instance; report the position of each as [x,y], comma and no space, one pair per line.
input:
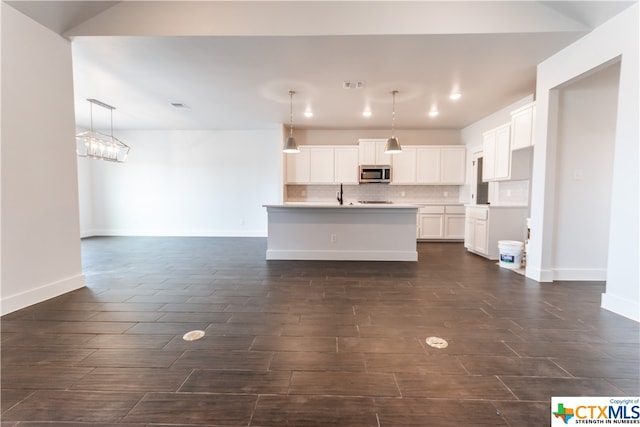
[367,113]
[308,113]
[455,96]
[433,113]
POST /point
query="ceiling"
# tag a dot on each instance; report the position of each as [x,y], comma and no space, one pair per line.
[231,64]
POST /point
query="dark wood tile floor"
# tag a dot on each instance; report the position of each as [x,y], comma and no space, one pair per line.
[306,343]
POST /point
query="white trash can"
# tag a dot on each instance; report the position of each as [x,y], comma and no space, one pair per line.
[510,253]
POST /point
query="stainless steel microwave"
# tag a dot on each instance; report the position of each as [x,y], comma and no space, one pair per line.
[375,173]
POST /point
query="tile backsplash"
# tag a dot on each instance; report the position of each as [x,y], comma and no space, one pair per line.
[446,194]
[511,193]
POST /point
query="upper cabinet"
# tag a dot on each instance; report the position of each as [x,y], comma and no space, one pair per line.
[522,126]
[297,166]
[371,152]
[346,169]
[496,147]
[323,164]
[429,165]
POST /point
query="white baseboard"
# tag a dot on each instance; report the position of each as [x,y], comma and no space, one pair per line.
[178,233]
[622,306]
[580,274]
[539,275]
[11,303]
[342,255]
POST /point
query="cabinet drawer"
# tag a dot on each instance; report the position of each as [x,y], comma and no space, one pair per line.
[476,213]
[454,209]
[431,210]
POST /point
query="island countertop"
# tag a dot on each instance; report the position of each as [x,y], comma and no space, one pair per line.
[320,205]
[330,231]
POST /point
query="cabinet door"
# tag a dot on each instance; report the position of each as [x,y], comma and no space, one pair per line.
[454,227]
[346,165]
[452,165]
[521,128]
[469,232]
[298,166]
[480,237]
[381,157]
[489,155]
[321,165]
[428,162]
[502,166]
[404,167]
[367,152]
[431,226]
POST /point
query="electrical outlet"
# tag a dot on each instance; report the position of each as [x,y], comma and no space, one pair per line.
[304,193]
[402,194]
[242,221]
[508,193]
[334,238]
[446,194]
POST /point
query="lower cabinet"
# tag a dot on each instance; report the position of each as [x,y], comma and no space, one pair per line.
[441,222]
[485,226]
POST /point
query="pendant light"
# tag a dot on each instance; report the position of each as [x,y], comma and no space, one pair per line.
[97,145]
[393,146]
[290,145]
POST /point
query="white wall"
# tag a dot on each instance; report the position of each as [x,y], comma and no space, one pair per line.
[617,37]
[351,136]
[40,224]
[584,169]
[186,183]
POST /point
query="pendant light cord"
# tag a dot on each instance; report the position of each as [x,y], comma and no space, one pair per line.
[393,114]
[291,113]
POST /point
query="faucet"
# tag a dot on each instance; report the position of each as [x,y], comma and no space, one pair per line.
[340,195]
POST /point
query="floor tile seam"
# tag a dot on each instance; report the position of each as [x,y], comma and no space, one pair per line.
[506,387]
[185,380]
[4,411]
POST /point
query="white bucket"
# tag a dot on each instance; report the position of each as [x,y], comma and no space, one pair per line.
[510,253]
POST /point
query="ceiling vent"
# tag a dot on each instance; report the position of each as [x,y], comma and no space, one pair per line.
[179,106]
[352,84]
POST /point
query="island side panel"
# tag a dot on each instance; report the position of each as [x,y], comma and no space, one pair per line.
[342,234]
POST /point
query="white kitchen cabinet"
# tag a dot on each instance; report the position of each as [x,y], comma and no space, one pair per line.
[428,162]
[321,169]
[322,164]
[371,152]
[429,165]
[522,127]
[454,222]
[404,166]
[496,147]
[441,165]
[452,165]
[346,165]
[440,222]
[486,225]
[297,166]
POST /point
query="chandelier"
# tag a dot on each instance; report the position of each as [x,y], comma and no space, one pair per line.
[97,145]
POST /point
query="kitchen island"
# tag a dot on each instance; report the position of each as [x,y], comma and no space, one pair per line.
[356,232]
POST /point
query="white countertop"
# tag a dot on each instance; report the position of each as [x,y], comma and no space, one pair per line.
[335,205]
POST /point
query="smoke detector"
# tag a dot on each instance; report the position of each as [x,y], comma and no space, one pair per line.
[352,84]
